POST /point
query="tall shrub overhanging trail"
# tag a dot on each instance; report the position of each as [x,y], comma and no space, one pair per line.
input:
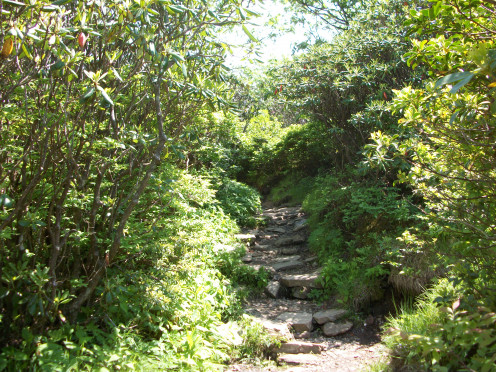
[94,96]
[447,136]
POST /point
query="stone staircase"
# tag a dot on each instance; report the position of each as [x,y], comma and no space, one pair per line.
[285,308]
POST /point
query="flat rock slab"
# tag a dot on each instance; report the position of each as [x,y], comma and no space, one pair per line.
[301,280]
[300,347]
[279,230]
[289,251]
[300,322]
[262,247]
[290,240]
[277,329]
[329,315]
[297,359]
[333,329]
[288,265]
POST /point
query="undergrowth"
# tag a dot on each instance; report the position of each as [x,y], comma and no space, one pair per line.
[444,330]
[170,302]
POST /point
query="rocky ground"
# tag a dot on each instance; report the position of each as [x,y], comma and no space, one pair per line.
[321,337]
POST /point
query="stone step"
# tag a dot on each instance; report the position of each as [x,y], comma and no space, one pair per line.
[299,321]
[299,359]
[289,251]
[263,248]
[300,292]
[290,240]
[300,347]
[330,315]
[276,329]
[287,265]
[333,329]
[301,280]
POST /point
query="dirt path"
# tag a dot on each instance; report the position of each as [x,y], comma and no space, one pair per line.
[322,337]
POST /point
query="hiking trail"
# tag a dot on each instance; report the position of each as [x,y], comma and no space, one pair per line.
[321,336]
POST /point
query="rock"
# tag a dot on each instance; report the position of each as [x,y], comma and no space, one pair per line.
[304,335]
[300,347]
[290,240]
[296,359]
[300,322]
[369,321]
[300,292]
[277,329]
[333,329]
[247,258]
[301,280]
[311,259]
[329,315]
[300,225]
[279,230]
[275,289]
[287,265]
[246,238]
[288,251]
[263,248]
[287,258]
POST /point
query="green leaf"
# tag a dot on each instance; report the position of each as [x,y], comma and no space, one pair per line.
[105,95]
[462,77]
[89,92]
[25,49]
[13,3]
[116,74]
[248,33]
[184,69]
[58,65]
[62,2]
[176,56]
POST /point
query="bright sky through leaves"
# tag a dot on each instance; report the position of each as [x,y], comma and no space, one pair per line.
[277,34]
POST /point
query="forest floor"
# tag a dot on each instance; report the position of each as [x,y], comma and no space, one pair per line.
[340,342]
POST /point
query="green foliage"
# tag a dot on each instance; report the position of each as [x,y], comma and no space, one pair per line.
[446,137]
[443,332]
[301,152]
[243,277]
[239,201]
[292,189]
[354,224]
[343,84]
[257,343]
[164,296]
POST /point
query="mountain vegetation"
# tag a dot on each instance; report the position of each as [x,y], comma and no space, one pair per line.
[130,156]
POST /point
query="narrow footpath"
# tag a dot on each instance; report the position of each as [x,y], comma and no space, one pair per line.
[322,337]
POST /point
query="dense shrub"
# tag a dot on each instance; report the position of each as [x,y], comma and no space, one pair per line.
[239,201]
[443,332]
[355,222]
[162,304]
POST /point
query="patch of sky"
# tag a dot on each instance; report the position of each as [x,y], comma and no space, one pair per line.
[280,33]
